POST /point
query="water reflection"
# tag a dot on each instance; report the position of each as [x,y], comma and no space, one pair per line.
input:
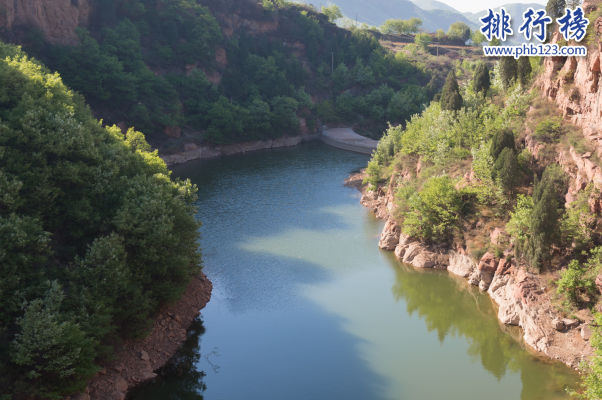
[180,379]
[451,307]
[302,305]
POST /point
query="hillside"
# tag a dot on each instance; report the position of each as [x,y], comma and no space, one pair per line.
[428,5]
[501,184]
[205,72]
[95,236]
[375,12]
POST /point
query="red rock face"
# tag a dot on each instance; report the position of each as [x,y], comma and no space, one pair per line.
[57,19]
[173,131]
[526,289]
[220,57]
[488,263]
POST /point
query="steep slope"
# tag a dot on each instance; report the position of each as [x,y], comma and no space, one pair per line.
[192,73]
[55,19]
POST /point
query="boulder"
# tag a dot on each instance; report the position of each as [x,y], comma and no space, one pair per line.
[487,277]
[487,263]
[509,312]
[558,324]
[501,266]
[121,385]
[460,264]
[389,238]
[474,280]
[483,286]
[570,323]
[586,332]
[144,355]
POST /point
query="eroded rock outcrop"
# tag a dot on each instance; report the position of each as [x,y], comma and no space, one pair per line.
[56,19]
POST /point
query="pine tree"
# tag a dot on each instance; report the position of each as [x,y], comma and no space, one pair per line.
[481,81]
[544,230]
[508,71]
[501,139]
[506,170]
[524,71]
[450,95]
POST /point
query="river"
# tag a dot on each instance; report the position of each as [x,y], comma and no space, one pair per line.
[306,307]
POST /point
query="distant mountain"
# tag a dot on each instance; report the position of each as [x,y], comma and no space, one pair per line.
[375,12]
[428,5]
[515,10]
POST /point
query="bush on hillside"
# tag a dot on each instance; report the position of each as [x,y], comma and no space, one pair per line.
[94,235]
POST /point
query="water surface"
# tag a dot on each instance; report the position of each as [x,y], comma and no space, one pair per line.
[305,305]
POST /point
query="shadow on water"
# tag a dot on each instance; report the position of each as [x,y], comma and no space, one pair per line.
[265,194]
[302,305]
[499,348]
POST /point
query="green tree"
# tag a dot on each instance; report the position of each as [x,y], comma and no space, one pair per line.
[504,138]
[481,81]
[332,11]
[284,118]
[55,354]
[450,95]
[258,122]
[423,40]
[440,34]
[459,30]
[225,122]
[508,69]
[477,38]
[544,226]
[524,71]
[433,211]
[506,170]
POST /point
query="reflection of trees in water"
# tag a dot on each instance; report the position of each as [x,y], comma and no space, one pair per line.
[449,306]
[179,379]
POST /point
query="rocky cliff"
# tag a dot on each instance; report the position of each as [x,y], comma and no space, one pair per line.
[56,19]
[520,297]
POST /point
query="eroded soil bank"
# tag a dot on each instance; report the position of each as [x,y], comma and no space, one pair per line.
[135,362]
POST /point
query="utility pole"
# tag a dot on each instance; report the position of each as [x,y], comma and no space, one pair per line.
[355,20]
[332,72]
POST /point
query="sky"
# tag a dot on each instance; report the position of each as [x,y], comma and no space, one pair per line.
[480,5]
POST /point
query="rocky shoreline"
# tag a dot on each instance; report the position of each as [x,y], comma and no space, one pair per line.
[194,152]
[135,362]
[519,296]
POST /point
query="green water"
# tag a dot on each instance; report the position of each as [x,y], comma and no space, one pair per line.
[305,305]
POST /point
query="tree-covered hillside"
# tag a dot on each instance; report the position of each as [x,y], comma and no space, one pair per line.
[234,71]
[94,235]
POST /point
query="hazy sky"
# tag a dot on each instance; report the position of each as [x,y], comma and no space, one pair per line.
[480,5]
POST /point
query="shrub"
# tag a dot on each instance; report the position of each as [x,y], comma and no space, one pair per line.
[433,211]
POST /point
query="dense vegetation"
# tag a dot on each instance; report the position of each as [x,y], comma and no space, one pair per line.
[147,63]
[94,235]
